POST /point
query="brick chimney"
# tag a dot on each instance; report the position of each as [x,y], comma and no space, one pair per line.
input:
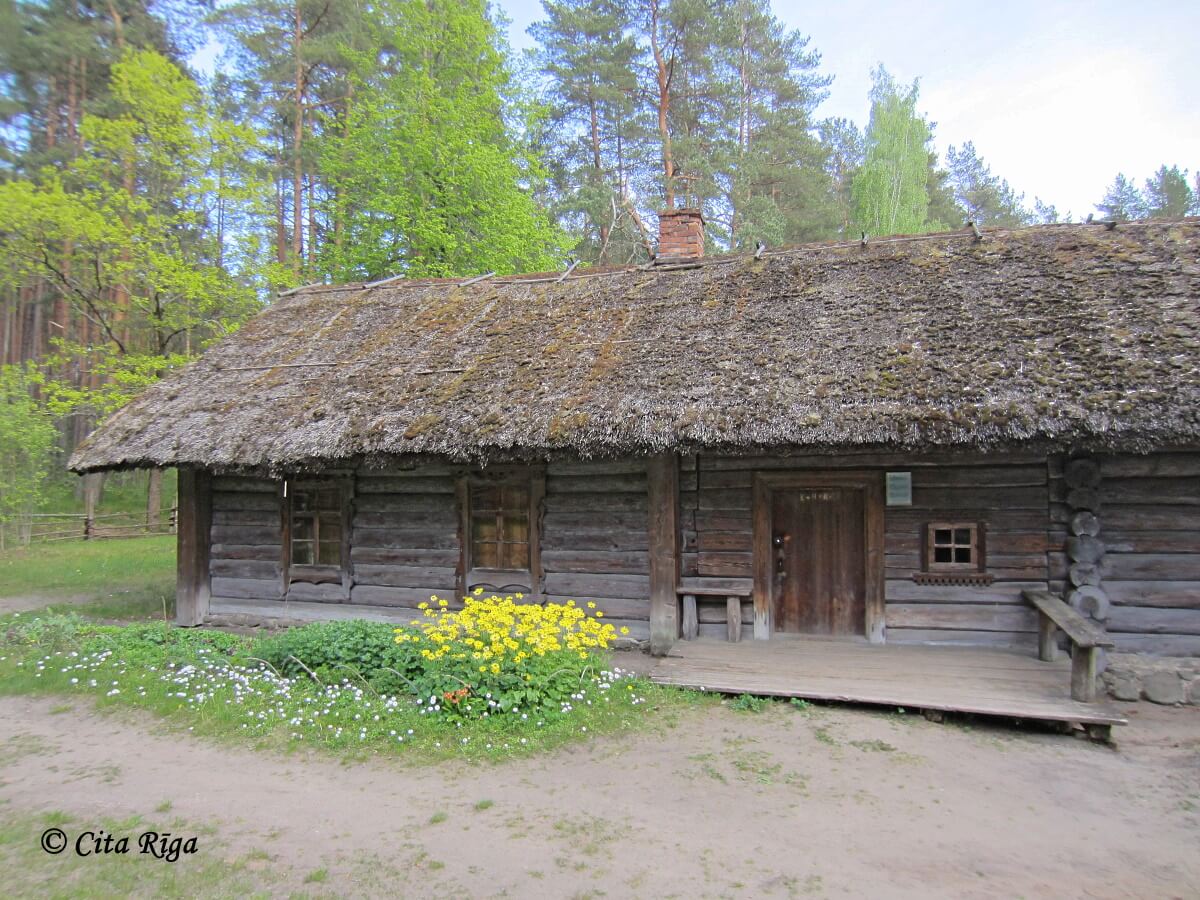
[680,234]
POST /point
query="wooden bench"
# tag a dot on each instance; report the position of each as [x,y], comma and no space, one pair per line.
[734,590]
[1086,639]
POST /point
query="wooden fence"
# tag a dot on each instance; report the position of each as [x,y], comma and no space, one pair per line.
[46,527]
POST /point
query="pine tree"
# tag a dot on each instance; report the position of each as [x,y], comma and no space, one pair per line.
[772,170]
[985,198]
[589,59]
[1167,194]
[291,58]
[845,147]
[1123,200]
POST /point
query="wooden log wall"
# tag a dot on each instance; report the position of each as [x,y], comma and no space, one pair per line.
[595,539]
[1149,567]
[404,545]
[247,539]
[1007,494]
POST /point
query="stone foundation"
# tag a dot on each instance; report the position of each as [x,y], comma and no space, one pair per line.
[1159,679]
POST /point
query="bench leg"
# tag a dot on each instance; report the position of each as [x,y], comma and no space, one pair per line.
[1083,674]
[733,618]
[1047,638]
[1101,734]
[691,624]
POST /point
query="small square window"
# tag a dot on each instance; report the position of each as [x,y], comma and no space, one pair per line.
[953,547]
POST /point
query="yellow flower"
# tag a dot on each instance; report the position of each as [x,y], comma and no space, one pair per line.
[624,629]
[478,591]
[591,605]
[599,615]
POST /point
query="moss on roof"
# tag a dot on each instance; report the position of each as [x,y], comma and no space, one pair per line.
[1071,335]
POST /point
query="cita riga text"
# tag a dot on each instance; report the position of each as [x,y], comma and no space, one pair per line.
[160,846]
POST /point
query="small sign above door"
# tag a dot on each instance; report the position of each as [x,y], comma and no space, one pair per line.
[899,488]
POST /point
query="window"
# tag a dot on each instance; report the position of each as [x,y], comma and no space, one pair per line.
[316,526]
[500,532]
[953,547]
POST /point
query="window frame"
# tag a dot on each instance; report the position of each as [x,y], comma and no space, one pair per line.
[318,573]
[976,545]
[471,575]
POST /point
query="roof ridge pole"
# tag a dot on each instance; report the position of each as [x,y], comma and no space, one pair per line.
[389,280]
[478,278]
[570,269]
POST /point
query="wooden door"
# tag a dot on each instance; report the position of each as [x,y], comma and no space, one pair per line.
[818,551]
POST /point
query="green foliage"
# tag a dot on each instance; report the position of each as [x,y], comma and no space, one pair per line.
[213,683]
[121,231]
[890,190]
[1122,200]
[335,650]
[432,181]
[750,703]
[1166,195]
[26,443]
[985,198]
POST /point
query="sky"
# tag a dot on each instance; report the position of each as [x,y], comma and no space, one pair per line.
[1058,96]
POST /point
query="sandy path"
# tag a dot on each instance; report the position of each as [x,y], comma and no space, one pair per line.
[27,602]
[728,804]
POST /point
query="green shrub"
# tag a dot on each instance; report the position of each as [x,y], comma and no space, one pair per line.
[337,650]
[750,703]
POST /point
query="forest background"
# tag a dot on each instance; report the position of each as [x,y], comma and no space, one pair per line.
[148,208]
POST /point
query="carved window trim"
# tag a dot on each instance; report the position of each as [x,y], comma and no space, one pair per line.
[528,579]
[954,553]
[317,572]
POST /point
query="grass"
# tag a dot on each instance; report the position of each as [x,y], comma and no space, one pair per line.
[484,804]
[209,683]
[123,575]
[29,871]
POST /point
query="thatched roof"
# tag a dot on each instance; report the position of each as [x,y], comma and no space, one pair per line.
[1072,335]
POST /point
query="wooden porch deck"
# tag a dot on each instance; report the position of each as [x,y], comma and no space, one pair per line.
[978,680]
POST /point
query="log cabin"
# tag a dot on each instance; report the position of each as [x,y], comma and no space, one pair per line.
[891,441]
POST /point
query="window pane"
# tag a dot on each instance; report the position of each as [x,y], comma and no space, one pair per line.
[516,498]
[302,552]
[942,554]
[302,528]
[962,554]
[328,500]
[516,556]
[941,536]
[485,499]
[330,553]
[516,528]
[962,535]
[484,528]
[486,555]
[331,529]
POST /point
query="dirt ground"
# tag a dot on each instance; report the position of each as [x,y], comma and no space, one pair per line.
[831,801]
[20,604]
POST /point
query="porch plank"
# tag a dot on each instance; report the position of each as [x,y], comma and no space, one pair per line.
[979,680]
